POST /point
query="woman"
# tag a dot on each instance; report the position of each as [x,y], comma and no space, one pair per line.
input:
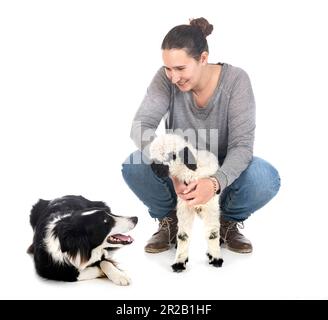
[213,106]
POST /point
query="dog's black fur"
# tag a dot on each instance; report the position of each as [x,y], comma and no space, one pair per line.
[72,234]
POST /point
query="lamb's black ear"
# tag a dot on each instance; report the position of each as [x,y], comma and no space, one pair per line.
[160,169]
[188,158]
[37,211]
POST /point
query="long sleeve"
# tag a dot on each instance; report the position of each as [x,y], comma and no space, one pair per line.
[241,129]
[151,111]
[230,113]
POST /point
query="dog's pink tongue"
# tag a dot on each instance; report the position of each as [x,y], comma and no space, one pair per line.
[122,237]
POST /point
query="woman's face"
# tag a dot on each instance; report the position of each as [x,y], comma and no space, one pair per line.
[183,70]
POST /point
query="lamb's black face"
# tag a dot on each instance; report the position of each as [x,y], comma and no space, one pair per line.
[162,169]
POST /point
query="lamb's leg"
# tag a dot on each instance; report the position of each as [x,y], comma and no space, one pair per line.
[212,234]
[185,220]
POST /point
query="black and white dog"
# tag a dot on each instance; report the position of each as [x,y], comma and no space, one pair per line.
[74,239]
[172,155]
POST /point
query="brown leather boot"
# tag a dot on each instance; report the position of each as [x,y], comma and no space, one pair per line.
[165,235]
[233,239]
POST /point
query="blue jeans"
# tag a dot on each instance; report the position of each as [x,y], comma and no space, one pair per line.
[254,188]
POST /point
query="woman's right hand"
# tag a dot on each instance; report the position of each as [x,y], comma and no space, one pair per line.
[179,186]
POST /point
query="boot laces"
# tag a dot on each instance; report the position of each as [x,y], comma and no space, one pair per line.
[165,225]
[233,226]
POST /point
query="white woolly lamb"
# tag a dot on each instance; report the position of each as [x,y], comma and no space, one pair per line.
[173,156]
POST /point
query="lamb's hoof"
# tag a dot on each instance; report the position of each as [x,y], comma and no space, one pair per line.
[179,266]
[214,261]
[217,263]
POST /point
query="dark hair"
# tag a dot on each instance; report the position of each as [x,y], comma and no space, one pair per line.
[190,37]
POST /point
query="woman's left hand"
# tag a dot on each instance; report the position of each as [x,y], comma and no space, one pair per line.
[198,192]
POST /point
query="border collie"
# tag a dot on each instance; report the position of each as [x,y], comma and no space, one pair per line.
[74,239]
[172,155]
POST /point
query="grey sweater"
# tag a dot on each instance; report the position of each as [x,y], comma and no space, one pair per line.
[225,126]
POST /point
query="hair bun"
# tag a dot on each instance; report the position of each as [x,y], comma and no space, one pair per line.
[203,24]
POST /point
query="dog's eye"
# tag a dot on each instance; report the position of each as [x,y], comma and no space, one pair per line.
[106,221]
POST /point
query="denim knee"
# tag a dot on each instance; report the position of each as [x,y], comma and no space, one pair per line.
[156,193]
[263,180]
[254,188]
[133,167]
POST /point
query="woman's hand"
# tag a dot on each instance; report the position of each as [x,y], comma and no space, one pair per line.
[179,186]
[196,193]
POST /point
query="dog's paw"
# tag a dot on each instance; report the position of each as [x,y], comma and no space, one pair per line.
[179,266]
[215,262]
[121,279]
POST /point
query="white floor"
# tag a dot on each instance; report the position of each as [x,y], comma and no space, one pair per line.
[289,262]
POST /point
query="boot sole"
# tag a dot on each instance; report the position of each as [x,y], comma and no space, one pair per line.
[154,250]
[150,250]
[243,251]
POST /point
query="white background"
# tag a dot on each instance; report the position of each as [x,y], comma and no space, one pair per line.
[72,75]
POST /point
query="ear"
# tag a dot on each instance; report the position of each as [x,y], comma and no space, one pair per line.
[73,241]
[65,240]
[188,158]
[64,232]
[160,169]
[204,58]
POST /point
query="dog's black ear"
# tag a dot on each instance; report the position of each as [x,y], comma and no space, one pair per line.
[188,158]
[64,232]
[37,211]
[73,241]
[160,169]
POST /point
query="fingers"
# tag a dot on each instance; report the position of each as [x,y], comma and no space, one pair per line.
[178,185]
[191,186]
[192,199]
[189,192]
[188,196]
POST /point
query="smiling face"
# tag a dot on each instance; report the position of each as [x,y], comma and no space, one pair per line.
[183,70]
